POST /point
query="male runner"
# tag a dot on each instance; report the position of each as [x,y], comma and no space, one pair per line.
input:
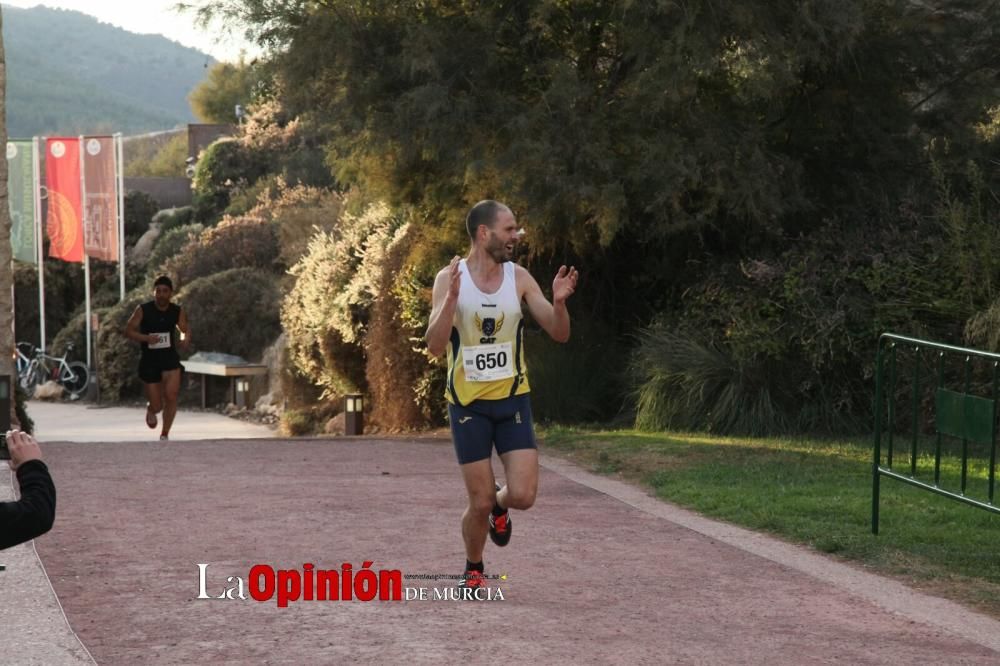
[154,325]
[476,317]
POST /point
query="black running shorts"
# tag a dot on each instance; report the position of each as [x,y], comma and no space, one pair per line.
[151,369]
[482,424]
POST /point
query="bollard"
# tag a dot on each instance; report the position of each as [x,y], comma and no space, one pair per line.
[354,407]
[241,389]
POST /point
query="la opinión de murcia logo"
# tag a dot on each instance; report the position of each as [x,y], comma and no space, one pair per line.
[264,583]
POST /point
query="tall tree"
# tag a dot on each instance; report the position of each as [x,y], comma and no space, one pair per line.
[633,133]
[226,86]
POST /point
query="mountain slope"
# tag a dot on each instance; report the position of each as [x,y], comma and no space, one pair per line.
[69,73]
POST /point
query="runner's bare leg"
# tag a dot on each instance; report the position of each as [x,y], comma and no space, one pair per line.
[478,478]
[171,388]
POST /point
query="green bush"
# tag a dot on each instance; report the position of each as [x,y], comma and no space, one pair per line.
[245,199]
[395,365]
[310,420]
[318,210]
[224,167]
[172,218]
[684,384]
[74,332]
[117,356]
[235,243]
[788,340]
[170,243]
[295,148]
[63,294]
[297,422]
[326,312]
[235,312]
[139,211]
[579,381]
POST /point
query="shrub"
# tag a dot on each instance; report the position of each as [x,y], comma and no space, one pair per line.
[171,218]
[296,422]
[235,243]
[394,367]
[684,384]
[297,224]
[294,148]
[139,211]
[117,356]
[235,312]
[411,290]
[224,167]
[63,293]
[579,381]
[170,243]
[74,332]
[337,280]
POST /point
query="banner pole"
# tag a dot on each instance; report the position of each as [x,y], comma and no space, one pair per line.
[39,240]
[120,184]
[86,257]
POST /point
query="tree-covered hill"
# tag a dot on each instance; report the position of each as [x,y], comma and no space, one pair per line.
[69,73]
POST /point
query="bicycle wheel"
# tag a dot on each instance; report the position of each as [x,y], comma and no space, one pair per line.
[32,377]
[75,377]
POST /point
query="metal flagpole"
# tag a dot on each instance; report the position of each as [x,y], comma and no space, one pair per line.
[39,240]
[120,185]
[86,257]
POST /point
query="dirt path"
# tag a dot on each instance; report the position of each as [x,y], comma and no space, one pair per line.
[591,578]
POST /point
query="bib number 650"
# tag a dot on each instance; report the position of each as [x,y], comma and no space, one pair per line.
[491,360]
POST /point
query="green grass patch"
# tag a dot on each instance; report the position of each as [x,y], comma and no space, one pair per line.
[817,493]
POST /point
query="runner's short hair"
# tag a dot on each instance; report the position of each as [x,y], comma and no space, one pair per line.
[163,279]
[484,212]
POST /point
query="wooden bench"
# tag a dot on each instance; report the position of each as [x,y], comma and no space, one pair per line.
[234,372]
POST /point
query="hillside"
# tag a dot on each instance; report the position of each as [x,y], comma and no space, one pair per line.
[69,73]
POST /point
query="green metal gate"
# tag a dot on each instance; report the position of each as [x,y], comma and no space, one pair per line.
[959,406]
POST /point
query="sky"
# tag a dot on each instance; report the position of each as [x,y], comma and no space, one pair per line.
[151,16]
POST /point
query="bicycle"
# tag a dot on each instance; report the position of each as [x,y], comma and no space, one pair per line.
[23,351]
[72,375]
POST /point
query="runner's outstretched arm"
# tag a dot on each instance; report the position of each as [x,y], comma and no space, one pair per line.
[552,317]
[444,300]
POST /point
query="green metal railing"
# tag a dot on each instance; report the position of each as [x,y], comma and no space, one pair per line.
[964,414]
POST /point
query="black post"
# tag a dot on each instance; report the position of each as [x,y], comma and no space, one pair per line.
[354,417]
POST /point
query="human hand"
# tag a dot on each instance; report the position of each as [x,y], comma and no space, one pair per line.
[455,278]
[22,447]
[564,284]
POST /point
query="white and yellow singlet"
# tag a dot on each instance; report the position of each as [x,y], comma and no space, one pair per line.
[486,348]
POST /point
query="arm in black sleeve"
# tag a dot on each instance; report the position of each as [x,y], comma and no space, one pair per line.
[32,515]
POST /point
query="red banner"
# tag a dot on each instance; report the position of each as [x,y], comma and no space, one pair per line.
[62,180]
[100,200]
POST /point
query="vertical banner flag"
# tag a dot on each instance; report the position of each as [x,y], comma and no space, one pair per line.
[100,198]
[62,179]
[21,198]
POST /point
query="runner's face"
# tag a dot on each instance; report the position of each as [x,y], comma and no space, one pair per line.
[162,294]
[503,237]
